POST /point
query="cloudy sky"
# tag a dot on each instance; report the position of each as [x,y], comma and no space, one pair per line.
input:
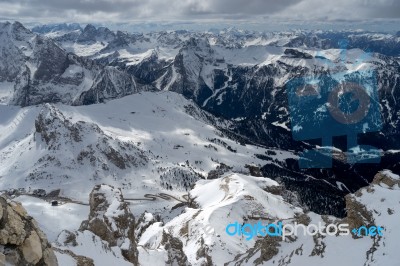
[191,10]
[127,10]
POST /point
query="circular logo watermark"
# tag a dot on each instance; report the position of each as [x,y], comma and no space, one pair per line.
[358,93]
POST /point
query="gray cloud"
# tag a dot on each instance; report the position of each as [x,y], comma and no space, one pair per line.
[239,7]
[153,10]
[383,9]
[344,9]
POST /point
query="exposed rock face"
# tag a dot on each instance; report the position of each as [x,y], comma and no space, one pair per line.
[144,221]
[219,171]
[386,178]
[149,69]
[264,250]
[357,213]
[31,248]
[80,260]
[21,240]
[179,178]
[174,248]
[297,54]
[188,65]
[111,220]
[90,35]
[110,83]
[58,131]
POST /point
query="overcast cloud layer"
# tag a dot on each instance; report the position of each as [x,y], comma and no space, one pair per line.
[173,10]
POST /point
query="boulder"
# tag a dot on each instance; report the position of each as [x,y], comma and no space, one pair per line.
[21,240]
[32,249]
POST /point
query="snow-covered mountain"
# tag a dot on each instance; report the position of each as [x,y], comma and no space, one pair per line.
[153,143]
[149,135]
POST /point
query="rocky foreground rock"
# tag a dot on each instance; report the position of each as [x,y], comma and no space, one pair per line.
[21,240]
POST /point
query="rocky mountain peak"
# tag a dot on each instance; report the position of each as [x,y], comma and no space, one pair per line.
[89,28]
[111,220]
[77,146]
[88,34]
[197,43]
[53,127]
[91,34]
[18,27]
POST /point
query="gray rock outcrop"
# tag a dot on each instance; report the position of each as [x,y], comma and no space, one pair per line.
[111,220]
[21,240]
